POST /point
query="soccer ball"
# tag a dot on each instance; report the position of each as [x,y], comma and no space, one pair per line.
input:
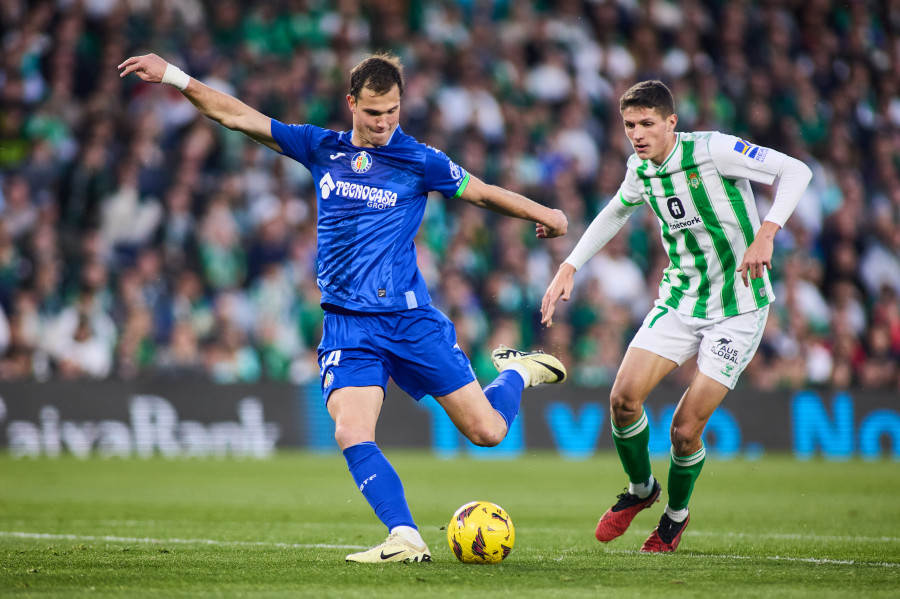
[481,532]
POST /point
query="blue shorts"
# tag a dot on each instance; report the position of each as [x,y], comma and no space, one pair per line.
[417,348]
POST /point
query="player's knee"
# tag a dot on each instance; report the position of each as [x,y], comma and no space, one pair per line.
[486,436]
[685,439]
[343,439]
[347,436]
[623,409]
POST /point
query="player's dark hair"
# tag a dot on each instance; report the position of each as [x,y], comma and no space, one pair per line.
[379,73]
[651,94]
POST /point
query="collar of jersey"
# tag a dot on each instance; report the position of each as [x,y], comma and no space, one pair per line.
[346,136]
[661,167]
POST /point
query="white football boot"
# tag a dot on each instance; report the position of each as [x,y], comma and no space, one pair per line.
[394,549]
[541,367]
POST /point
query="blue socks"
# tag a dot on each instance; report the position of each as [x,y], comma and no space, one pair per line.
[379,484]
[505,394]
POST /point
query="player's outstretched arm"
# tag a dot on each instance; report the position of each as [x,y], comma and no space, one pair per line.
[758,256]
[792,178]
[220,107]
[560,288]
[550,222]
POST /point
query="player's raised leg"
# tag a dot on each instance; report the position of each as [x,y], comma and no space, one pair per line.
[640,372]
[485,416]
[486,423]
[355,412]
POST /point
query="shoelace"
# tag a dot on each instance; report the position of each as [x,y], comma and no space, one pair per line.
[668,529]
[627,499]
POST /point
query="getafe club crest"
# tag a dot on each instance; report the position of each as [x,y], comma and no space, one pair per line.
[361,162]
[694,180]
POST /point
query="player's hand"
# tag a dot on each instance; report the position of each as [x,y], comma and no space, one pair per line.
[758,256]
[148,67]
[560,287]
[557,228]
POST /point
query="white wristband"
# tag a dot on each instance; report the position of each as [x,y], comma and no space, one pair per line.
[176,77]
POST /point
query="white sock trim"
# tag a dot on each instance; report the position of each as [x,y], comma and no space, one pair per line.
[676,515]
[688,460]
[632,429]
[409,534]
[523,372]
[642,490]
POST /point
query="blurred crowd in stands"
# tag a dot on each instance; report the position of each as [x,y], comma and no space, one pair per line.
[138,238]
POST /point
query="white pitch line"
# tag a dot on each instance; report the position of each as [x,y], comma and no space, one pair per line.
[796,537]
[112,539]
[812,538]
[781,558]
[775,536]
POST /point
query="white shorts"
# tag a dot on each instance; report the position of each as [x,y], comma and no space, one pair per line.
[724,346]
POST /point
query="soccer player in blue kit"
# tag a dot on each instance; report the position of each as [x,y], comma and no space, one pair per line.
[372,185]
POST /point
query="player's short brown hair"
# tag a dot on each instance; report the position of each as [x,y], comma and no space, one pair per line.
[651,94]
[379,73]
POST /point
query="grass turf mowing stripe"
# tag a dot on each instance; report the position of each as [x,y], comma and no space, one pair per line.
[693,533]
[794,537]
[807,560]
[757,536]
[115,539]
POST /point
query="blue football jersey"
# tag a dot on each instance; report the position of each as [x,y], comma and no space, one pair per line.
[371,202]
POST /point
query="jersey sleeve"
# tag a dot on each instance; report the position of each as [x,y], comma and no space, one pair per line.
[296,141]
[740,159]
[610,220]
[444,175]
[631,191]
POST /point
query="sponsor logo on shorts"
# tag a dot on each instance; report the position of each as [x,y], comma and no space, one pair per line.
[722,349]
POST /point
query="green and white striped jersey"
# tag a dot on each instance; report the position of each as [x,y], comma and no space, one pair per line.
[707,214]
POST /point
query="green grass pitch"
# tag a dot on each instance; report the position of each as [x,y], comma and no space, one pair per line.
[772,527]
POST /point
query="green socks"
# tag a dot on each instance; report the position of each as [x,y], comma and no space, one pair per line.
[683,473]
[633,445]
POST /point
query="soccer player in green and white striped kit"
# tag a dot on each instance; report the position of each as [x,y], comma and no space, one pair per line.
[713,299]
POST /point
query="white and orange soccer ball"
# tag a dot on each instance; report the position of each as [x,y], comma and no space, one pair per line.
[481,532]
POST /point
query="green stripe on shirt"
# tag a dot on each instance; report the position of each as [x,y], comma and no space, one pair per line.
[721,245]
[743,217]
[676,288]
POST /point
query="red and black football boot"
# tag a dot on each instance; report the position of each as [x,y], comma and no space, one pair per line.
[666,536]
[617,518]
